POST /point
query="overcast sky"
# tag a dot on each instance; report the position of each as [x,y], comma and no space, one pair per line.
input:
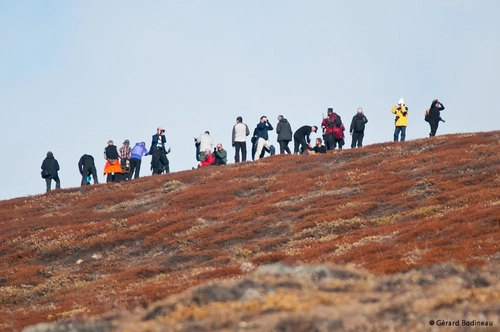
[75,74]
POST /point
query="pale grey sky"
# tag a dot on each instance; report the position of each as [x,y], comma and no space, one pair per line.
[74,74]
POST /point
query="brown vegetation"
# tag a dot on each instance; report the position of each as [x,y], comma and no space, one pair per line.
[387,208]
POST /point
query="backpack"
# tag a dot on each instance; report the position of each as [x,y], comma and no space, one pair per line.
[359,124]
[427,117]
[338,131]
[335,121]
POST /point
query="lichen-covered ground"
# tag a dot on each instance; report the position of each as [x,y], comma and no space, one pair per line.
[385,209]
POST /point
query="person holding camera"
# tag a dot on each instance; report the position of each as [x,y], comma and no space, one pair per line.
[220,155]
[158,152]
[262,136]
[401,120]
[435,116]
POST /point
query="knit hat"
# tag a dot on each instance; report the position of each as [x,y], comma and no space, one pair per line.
[401,101]
[126,141]
[330,110]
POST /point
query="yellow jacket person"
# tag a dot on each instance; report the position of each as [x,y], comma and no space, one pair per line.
[401,121]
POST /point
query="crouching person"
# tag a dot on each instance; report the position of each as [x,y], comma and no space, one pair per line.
[220,155]
[208,160]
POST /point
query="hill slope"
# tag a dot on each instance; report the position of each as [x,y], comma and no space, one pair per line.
[386,208]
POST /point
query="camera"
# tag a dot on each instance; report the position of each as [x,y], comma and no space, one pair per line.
[162,131]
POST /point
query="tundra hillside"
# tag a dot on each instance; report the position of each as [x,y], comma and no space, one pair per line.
[376,222]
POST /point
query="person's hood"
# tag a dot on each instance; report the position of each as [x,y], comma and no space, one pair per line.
[284,120]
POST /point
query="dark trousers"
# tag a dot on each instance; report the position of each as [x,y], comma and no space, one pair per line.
[89,170]
[219,162]
[114,177]
[284,147]
[434,126]
[48,182]
[135,167]
[299,143]
[157,157]
[329,141]
[243,147]
[357,139]
[339,141]
[397,131]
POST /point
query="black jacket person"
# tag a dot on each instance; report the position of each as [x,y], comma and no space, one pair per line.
[435,116]
[301,138]
[86,166]
[51,165]
[158,152]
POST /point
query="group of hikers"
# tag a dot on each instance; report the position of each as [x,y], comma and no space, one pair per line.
[122,163]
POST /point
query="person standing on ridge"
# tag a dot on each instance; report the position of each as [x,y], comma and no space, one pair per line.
[50,167]
[434,116]
[112,167]
[357,129]
[204,142]
[239,137]
[401,120]
[158,152]
[125,159]
[328,124]
[284,131]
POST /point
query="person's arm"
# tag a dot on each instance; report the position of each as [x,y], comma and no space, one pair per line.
[366,119]
[404,110]
[248,130]
[308,139]
[351,129]
[57,165]
[269,126]
[233,134]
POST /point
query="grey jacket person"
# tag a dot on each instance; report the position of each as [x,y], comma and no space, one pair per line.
[284,130]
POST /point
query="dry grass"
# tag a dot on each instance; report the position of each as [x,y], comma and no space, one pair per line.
[388,208]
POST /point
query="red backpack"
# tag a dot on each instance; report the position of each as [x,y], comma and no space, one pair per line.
[338,131]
